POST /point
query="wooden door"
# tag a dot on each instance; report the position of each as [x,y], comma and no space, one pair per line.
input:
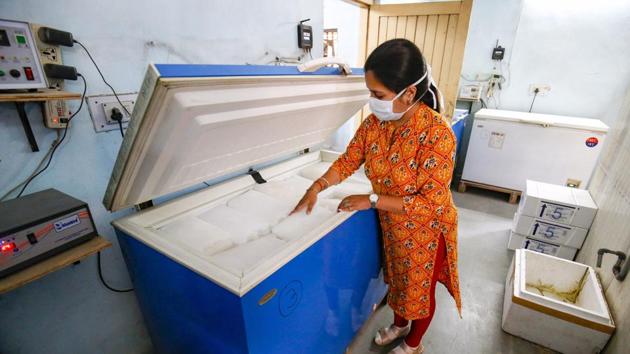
[439,29]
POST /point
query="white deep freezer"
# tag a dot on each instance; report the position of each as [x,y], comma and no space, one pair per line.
[223,269]
[507,148]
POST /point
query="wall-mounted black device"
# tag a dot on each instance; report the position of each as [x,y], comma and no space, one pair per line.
[39,225]
[498,53]
[305,35]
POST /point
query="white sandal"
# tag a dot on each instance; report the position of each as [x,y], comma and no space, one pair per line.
[386,335]
[404,348]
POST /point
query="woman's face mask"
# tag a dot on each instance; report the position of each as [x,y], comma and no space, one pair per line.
[384,110]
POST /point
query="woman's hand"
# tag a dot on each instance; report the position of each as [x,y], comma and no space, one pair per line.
[355,202]
[307,202]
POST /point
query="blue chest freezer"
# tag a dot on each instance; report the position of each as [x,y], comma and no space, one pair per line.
[224,269]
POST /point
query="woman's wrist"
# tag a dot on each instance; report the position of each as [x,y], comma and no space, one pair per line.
[315,187]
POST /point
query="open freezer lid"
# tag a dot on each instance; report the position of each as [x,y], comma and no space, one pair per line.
[551,120]
[192,123]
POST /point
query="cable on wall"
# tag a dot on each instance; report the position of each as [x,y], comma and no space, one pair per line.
[39,165]
[533,99]
[102,76]
[54,149]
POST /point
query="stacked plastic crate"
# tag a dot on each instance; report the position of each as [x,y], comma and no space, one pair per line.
[552,219]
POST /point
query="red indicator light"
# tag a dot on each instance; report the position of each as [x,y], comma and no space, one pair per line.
[6,247]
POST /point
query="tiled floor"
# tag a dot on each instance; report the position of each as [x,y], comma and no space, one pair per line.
[484,220]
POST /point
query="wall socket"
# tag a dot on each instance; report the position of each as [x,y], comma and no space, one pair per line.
[101,107]
[543,89]
[108,107]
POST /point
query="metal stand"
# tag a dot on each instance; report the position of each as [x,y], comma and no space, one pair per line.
[27,126]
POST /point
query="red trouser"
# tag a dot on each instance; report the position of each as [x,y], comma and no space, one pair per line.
[419,327]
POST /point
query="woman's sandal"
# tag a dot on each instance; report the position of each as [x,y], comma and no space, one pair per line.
[386,335]
[404,348]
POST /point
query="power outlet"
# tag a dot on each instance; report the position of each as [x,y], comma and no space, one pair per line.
[101,107]
[109,107]
[543,89]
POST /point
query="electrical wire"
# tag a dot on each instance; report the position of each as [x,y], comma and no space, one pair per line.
[65,132]
[39,165]
[122,133]
[100,275]
[103,77]
[533,99]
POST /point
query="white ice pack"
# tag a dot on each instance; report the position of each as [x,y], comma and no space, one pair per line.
[290,189]
[299,224]
[346,188]
[243,226]
[197,236]
[329,204]
[260,204]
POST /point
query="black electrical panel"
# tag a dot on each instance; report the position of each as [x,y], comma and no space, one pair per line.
[305,35]
[498,53]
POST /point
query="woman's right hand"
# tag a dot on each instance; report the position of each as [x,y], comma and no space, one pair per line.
[307,202]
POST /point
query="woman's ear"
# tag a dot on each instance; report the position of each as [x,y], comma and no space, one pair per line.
[410,95]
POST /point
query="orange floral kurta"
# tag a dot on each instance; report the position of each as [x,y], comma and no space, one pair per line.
[418,166]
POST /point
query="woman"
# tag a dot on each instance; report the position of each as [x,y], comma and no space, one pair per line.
[408,151]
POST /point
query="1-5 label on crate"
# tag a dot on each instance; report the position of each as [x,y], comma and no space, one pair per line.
[556,212]
[549,231]
[540,247]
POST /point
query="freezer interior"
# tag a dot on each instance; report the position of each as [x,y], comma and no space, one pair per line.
[238,232]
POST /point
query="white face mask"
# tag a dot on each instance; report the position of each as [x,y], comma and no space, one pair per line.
[384,110]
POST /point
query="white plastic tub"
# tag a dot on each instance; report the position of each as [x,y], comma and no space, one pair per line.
[556,303]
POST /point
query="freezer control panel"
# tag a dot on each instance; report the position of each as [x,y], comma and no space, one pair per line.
[20,67]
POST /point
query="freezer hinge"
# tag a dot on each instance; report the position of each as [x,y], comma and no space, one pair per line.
[256,175]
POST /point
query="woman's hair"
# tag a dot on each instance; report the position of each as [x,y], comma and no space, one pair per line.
[398,63]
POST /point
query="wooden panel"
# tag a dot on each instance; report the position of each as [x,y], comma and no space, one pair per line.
[44,95]
[391,28]
[421,30]
[363,34]
[410,30]
[401,26]
[438,47]
[53,263]
[450,94]
[429,38]
[439,30]
[428,8]
[448,50]
[364,4]
[382,31]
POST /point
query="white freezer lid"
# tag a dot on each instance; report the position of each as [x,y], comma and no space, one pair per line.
[192,123]
[544,119]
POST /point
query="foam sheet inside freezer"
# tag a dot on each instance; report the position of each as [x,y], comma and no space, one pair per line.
[254,225]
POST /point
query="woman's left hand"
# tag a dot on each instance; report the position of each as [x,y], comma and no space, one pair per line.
[355,202]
